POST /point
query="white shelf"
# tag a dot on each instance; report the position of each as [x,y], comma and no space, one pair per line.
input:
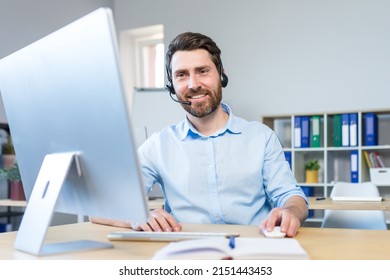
[335,161]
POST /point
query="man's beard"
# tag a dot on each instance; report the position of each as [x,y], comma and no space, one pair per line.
[203,109]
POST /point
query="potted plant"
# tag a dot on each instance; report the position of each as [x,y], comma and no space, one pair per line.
[12,174]
[311,168]
[8,154]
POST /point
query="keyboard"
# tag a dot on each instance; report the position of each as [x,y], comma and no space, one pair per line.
[165,236]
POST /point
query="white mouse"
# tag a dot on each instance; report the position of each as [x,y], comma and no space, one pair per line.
[275,233]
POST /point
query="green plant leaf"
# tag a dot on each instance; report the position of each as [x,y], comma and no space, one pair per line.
[312,165]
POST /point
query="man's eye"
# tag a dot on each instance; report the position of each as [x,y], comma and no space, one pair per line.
[204,71]
[180,75]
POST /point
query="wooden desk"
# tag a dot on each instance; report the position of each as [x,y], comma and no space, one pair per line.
[329,204]
[153,203]
[328,244]
[314,204]
[13,203]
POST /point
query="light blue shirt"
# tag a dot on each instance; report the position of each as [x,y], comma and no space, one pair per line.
[234,176]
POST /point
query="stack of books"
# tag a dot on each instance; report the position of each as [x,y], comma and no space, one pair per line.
[373,159]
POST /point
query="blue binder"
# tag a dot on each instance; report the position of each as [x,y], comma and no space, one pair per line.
[354,167]
[309,191]
[345,130]
[297,132]
[305,132]
[371,129]
[287,155]
[353,129]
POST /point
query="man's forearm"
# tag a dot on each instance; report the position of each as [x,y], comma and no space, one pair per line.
[297,206]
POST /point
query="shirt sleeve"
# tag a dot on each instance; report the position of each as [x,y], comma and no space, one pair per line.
[279,181]
[146,154]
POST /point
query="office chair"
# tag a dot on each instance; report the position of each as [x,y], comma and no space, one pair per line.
[355,219]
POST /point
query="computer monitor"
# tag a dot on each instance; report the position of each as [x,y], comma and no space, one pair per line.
[70,125]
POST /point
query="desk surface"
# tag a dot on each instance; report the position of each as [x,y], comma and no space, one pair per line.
[314,204]
[153,203]
[13,203]
[328,203]
[319,243]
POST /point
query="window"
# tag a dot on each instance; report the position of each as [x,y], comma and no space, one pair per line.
[152,63]
[142,56]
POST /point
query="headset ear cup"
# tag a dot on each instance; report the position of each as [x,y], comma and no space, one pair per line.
[169,85]
[170,88]
[224,79]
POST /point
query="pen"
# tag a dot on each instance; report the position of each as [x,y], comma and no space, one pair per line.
[232,242]
[320,198]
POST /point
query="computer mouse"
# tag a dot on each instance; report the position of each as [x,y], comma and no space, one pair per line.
[275,233]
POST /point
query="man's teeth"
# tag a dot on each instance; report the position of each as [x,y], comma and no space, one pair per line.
[198,96]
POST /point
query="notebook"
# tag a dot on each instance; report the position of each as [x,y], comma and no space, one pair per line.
[246,248]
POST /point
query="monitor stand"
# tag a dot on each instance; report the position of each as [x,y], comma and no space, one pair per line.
[40,208]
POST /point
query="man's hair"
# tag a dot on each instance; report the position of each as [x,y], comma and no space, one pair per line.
[190,41]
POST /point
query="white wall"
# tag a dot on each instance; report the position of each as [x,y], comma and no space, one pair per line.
[24,21]
[285,56]
[282,56]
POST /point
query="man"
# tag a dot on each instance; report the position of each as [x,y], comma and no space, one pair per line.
[215,167]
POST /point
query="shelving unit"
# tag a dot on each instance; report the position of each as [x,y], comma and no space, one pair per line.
[11,211]
[335,162]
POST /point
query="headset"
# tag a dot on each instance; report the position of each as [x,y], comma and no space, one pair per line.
[169,85]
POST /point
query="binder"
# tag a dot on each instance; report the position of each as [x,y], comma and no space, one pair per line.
[353,129]
[354,167]
[368,160]
[379,160]
[297,132]
[5,227]
[287,155]
[315,132]
[337,130]
[373,160]
[371,129]
[345,130]
[309,191]
[305,131]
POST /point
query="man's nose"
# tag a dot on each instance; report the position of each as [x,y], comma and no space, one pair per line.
[193,82]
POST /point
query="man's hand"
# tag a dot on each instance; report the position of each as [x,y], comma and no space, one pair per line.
[108,222]
[159,220]
[289,218]
[287,221]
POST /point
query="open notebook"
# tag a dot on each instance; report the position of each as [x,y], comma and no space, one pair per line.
[245,248]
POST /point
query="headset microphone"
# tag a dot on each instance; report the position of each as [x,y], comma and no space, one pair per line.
[171,92]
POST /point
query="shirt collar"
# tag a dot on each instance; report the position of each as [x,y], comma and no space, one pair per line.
[187,130]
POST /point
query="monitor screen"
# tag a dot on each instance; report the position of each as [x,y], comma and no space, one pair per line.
[63,95]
